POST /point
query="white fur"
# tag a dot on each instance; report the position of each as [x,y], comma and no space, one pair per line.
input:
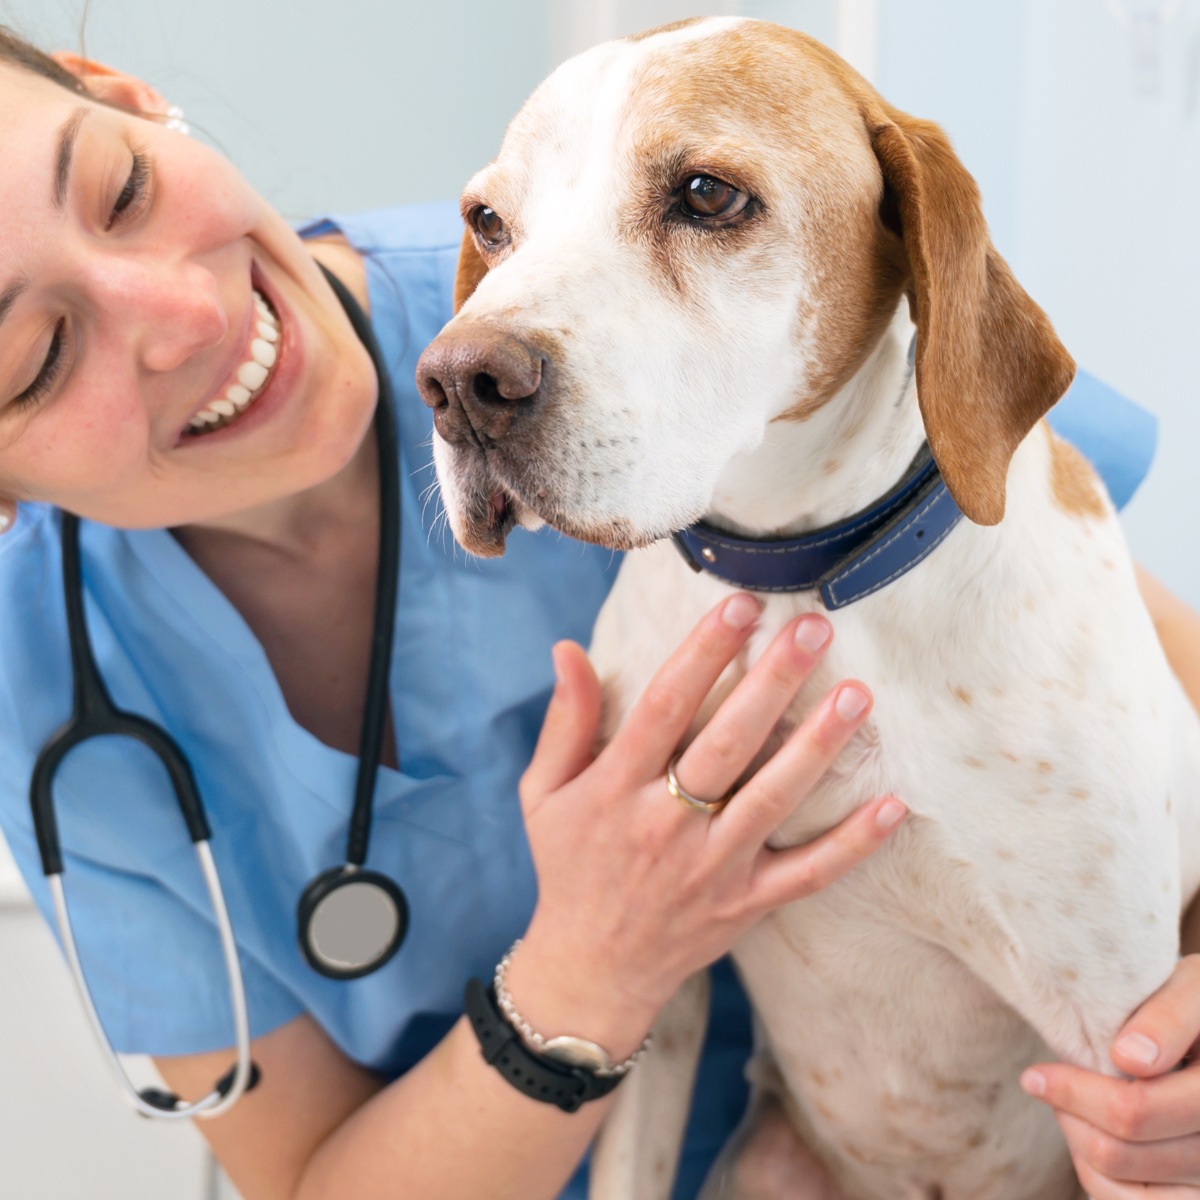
[1023,707]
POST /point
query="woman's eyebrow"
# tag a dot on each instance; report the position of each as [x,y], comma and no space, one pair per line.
[67,133]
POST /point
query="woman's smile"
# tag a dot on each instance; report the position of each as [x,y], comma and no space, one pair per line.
[251,377]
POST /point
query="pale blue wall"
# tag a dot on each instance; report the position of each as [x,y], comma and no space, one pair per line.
[1091,190]
[325,105]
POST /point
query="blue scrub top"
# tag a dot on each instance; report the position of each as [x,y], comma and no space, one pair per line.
[470,677]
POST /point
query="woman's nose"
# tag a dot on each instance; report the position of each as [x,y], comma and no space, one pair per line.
[172,310]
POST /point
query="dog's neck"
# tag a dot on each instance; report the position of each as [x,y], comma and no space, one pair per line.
[809,473]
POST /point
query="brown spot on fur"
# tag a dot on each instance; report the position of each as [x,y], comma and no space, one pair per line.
[1106,850]
[817,1078]
[1009,756]
[1088,879]
[963,695]
[1072,480]
[952,1085]
[977,1138]
[1078,793]
[831,466]
[674,25]
[977,763]
[1005,855]
[825,1111]
[1044,767]
[1069,974]
[1170,804]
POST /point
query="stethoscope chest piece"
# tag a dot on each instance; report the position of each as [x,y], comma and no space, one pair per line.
[351,921]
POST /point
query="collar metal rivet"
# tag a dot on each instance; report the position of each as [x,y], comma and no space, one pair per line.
[708,554]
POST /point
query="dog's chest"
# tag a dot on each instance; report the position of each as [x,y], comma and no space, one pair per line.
[897,1002]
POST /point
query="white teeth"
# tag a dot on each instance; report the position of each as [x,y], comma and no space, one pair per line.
[251,375]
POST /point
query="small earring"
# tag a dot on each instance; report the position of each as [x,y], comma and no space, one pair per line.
[175,121]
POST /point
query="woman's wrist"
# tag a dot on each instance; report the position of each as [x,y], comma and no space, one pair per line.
[561,991]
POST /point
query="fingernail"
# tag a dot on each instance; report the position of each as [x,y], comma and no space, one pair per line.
[1138,1047]
[1034,1082]
[850,703]
[740,611]
[811,634]
[891,813]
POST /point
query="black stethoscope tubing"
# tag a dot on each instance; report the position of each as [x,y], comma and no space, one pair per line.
[95,715]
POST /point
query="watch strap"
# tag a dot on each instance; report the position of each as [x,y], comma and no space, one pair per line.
[532,1074]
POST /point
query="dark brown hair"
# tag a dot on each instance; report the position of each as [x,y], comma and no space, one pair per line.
[21,54]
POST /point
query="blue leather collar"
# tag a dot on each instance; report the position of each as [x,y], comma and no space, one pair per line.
[844,561]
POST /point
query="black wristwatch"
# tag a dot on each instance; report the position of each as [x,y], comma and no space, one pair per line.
[536,1075]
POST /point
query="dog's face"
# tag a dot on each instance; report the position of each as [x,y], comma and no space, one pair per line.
[686,237]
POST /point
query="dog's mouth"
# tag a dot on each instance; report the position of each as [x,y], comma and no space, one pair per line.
[493,506]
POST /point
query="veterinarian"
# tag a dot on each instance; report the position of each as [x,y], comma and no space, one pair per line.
[178,372]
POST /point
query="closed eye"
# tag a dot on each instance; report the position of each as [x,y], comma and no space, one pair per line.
[135,195]
[52,367]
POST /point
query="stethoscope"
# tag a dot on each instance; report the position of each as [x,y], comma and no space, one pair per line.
[350,920]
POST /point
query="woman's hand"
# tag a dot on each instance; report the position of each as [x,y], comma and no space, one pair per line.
[636,890]
[1137,1137]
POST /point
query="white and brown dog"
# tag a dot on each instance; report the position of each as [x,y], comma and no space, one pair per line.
[688,286]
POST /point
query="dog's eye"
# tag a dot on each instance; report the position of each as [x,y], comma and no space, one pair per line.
[707,196]
[489,225]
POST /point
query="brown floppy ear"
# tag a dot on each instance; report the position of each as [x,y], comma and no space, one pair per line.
[471,269]
[989,364]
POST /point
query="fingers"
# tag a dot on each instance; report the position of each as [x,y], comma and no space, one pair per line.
[1165,1027]
[738,729]
[1099,1188]
[1174,1160]
[786,875]
[781,783]
[564,746]
[1133,1110]
[659,719]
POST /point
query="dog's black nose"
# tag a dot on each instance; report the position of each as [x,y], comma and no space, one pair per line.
[477,382]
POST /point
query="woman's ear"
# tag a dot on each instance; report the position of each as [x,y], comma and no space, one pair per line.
[112,86]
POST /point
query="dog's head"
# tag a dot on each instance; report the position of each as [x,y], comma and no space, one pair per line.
[687,236]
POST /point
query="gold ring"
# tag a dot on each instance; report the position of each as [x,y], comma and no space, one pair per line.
[693,802]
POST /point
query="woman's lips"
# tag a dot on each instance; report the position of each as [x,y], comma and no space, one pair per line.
[250,379]
[282,378]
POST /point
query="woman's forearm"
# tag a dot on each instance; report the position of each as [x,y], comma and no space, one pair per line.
[1178,627]
[452,1128]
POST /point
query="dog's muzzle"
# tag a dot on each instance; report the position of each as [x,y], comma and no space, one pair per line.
[478,384]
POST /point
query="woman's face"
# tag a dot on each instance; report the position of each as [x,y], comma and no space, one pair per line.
[130,256]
